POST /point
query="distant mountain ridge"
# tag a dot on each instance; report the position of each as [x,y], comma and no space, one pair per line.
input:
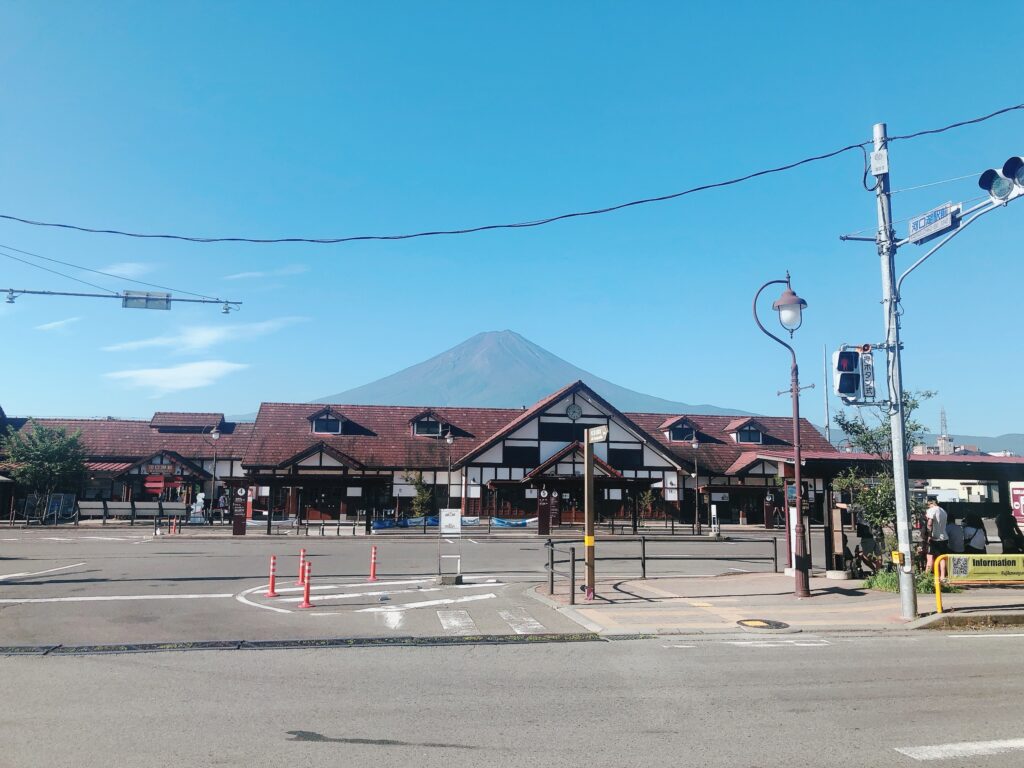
[501,369]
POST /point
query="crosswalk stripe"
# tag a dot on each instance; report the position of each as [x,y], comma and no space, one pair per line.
[522,623]
[427,603]
[457,622]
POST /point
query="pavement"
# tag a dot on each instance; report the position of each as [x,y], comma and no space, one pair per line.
[702,605]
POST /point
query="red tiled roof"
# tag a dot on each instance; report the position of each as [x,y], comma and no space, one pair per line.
[282,431]
[121,439]
[165,419]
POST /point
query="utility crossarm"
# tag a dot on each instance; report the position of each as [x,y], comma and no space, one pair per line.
[129,299]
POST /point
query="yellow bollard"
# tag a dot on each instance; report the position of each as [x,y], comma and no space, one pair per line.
[938,586]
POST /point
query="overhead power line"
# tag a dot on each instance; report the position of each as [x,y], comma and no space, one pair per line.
[55,272]
[516,225]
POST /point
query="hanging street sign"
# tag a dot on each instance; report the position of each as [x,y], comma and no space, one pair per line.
[597,434]
[935,222]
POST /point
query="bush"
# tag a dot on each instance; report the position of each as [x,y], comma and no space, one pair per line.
[888,581]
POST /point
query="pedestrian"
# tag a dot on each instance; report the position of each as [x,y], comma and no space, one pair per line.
[955,536]
[938,541]
[1009,533]
[975,537]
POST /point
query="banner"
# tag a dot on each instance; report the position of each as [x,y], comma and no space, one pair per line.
[498,522]
[986,567]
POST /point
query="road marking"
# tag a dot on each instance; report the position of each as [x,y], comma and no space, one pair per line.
[449,541]
[426,603]
[345,595]
[363,584]
[679,646]
[522,623]
[457,622]
[39,573]
[472,541]
[244,600]
[110,598]
[962,749]
[779,643]
[986,636]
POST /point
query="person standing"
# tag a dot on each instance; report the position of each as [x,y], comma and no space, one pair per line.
[1009,533]
[975,537]
[955,536]
[938,541]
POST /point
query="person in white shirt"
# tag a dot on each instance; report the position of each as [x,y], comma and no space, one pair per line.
[938,541]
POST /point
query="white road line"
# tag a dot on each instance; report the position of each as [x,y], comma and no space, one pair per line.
[472,541]
[242,597]
[39,573]
[962,749]
[457,622]
[426,603]
[345,595]
[679,646]
[110,598]
[522,623]
[449,541]
[314,588]
[985,636]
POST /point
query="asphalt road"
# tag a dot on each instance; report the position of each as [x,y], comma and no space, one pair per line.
[124,586]
[730,702]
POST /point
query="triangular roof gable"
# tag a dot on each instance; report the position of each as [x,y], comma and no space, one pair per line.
[327,410]
[675,421]
[577,387]
[177,458]
[334,453]
[572,448]
[747,421]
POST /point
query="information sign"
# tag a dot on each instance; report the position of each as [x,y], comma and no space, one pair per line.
[451,522]
[597,434]
[933,223]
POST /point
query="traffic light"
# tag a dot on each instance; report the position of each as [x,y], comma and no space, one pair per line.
[846,374]
[1003,184]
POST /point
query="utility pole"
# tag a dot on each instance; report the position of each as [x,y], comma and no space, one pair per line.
[825,391]
[887,254]
[588,514]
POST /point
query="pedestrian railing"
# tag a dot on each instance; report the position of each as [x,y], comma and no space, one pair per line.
[976,570]
[642,557]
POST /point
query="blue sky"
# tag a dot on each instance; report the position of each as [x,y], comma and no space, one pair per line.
[326,119]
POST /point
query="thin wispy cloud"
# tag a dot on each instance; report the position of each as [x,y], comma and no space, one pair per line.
[57,325]
[198,338]
[175,378]
[290,269]
[129,269]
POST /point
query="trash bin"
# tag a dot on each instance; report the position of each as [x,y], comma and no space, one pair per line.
[238,524]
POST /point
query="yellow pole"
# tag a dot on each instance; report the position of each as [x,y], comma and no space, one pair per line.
[938,586]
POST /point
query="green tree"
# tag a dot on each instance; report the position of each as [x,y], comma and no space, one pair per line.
[44,459]
[874,495]
[423,501]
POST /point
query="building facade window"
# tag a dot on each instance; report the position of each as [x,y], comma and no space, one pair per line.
[682,433]
[327,425]
[748,435]
[522,455]
[427,428]
[626,458]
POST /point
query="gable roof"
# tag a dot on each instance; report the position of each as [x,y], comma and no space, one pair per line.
[747,421]
[574,447]
[576,387]
[184,420]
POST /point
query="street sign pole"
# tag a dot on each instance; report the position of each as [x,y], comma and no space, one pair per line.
[593,435]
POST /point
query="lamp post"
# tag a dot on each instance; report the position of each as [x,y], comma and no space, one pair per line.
[696,487]
[449,439]
[790,308]
[212,439]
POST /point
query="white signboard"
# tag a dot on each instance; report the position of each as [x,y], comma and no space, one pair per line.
[451,522]
[597,434]
[932,224]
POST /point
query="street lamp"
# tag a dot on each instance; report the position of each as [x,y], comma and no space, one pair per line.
[696,486]
[212,439]
[449,439]
[790,308]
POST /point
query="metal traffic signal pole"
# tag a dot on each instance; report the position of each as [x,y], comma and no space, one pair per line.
[897,424]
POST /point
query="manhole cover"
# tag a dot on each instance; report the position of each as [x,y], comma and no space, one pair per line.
[762,624]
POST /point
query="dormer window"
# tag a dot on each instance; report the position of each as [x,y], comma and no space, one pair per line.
[682,433]
[327,425]
[748,435]
[427,428]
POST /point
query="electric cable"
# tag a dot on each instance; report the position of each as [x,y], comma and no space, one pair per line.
[54,271]
[516,225]
[106,274]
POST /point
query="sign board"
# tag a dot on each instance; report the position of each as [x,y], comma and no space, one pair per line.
[986,567]
[935,222]
[1017,500]
[879,162]
[145,300]
[597,434]
[451,522]
[867,370]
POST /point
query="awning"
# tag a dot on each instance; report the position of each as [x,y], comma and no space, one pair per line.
[108,467]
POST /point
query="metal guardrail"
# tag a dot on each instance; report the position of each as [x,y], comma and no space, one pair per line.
[643,557]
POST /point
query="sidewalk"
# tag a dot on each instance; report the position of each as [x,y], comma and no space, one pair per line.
[714,604]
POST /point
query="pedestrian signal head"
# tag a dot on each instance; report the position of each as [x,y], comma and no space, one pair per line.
[846,374]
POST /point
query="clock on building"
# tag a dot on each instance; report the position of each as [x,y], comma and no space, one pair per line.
[573,411]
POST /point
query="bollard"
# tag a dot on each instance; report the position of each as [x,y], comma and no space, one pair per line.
[305,590]
[271,592]
[551,568]
[572,575]
[643,557]
[302,566]
[322,524]
[373,563]
[338,531]
[775,554]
